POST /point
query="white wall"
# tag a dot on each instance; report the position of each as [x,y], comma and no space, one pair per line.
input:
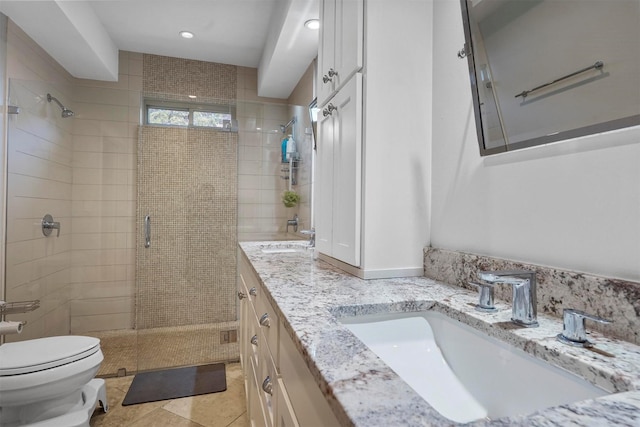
[573,205]
[397,120]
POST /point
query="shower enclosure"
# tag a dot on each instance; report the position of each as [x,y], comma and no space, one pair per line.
[158,293]
[186,246]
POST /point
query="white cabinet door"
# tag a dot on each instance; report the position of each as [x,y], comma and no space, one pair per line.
[324,184]
[347,175]
[326,51]
[339,183]
[349,38]
[341,45]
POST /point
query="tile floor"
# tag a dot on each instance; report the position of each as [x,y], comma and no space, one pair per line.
[224,409]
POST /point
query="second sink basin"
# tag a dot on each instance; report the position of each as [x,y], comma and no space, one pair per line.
[462,373]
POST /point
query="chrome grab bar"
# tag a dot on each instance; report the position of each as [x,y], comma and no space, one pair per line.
[597,66]
[147,231]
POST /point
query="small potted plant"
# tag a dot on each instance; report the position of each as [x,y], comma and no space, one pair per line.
[290,198]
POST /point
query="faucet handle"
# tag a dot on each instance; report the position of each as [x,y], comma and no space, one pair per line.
[485,297]
[573,330]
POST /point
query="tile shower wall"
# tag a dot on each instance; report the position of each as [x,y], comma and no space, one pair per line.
[103,208]
[261,214]
[299,101]
[39,182]
[187,183]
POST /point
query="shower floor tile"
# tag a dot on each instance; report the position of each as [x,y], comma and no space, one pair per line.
[162,348]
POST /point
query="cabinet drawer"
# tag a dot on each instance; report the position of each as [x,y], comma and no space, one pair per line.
[286,415]
[311,407]
[267,316]
[254,339]
[254,402]
[249,279]
[267,385]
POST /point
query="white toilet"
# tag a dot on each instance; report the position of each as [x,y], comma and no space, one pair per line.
[49,382]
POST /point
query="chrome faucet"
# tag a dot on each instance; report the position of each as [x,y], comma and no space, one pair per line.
[524,310]
[312,236]
[573,331]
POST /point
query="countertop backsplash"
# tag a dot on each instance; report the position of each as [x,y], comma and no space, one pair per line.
[613,299]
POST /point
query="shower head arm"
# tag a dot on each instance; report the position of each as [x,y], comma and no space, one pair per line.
[53,98]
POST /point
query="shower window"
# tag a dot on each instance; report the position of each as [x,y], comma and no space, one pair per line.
[163,113]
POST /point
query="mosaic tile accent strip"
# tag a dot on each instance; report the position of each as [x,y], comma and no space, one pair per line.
[613,299]
[164,74]
[187,183]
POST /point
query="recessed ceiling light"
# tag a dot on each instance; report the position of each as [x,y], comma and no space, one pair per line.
[186,34]
[312,24]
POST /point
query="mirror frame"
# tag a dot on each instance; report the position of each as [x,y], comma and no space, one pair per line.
[468,50]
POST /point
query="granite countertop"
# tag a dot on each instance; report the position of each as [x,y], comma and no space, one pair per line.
[310,296]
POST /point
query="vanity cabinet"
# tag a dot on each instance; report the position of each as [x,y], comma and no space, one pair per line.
[271,364]
[339,174]
[341,47]
[372,183]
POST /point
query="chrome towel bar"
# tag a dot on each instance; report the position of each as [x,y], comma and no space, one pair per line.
[597,66]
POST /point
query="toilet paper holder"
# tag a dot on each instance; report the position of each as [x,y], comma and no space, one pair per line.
[18,307]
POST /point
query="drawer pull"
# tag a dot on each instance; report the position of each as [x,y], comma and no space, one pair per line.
[265,321]
[254,340]
[241,295]
[253,291]
[267,386]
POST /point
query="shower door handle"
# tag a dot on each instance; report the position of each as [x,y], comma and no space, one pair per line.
[147,231]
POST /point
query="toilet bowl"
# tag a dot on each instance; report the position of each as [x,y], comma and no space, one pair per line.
[49,381]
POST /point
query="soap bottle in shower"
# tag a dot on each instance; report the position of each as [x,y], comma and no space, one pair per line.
[284,149]
[291,148]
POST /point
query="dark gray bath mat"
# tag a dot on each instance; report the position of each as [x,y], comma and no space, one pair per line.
[174,383]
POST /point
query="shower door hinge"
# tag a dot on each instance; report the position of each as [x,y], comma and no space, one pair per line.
[13,109]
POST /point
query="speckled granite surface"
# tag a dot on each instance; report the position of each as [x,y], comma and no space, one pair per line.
[310,297]
[617,300]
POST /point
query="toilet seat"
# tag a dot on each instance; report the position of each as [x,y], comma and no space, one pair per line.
[44,353]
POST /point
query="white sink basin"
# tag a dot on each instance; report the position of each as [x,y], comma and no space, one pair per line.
[462,373]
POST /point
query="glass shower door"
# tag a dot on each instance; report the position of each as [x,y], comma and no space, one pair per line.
[186,247]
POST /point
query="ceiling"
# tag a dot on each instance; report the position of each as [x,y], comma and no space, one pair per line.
[84,36]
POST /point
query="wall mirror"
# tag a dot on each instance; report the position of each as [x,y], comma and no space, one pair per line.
[548,70]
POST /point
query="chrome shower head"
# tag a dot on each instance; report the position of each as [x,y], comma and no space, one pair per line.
[65,111]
